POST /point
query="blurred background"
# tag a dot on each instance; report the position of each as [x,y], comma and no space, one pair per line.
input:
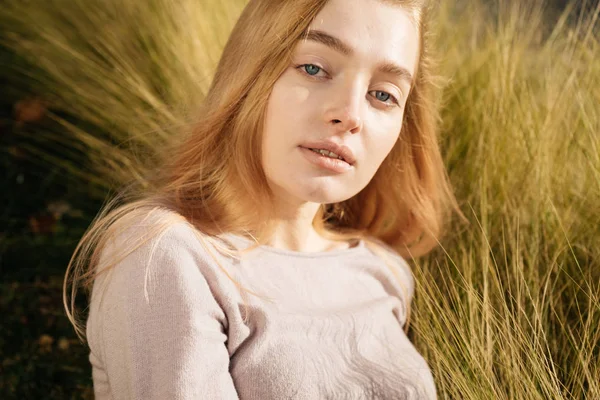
[507,308]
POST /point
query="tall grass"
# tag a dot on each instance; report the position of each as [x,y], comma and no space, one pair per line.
[509,306]
[120,76]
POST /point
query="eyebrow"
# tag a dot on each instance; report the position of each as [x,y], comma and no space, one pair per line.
[340,46]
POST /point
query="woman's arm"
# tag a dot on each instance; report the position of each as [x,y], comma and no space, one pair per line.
[159,330]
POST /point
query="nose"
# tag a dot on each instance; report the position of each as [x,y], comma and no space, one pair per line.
[343,113]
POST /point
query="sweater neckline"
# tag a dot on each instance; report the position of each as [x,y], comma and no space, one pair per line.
[359,247]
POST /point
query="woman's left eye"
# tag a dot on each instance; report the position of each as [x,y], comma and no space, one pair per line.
[384,97]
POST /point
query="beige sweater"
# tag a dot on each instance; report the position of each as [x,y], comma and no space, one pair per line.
[170,325]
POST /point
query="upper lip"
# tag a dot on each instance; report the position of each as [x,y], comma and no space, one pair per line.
[340,150]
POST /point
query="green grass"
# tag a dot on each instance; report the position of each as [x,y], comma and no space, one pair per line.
[507,308]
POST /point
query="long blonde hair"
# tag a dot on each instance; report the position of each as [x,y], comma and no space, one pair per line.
[212,177]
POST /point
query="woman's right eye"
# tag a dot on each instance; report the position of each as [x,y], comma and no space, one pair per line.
[311,69]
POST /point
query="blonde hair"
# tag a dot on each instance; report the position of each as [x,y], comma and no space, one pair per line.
[212,177]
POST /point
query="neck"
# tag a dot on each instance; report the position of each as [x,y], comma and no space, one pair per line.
[294,231]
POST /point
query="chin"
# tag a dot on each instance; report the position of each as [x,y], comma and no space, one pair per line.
[322,195]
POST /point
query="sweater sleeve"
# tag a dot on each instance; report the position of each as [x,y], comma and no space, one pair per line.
[160,332]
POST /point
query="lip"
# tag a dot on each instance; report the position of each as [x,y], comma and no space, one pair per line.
[343,151]
[331,164]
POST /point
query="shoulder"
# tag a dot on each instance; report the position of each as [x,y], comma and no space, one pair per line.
[144,233]
[397,265]
[143,227]
[151,252]
[154,295]
[145,279]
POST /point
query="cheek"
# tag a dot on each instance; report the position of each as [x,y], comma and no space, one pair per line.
[288,113]
[284,117]
[288,97]
[385,148]
[381,144]
[377,148]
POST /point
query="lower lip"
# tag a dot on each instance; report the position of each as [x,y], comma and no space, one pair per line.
[332,164]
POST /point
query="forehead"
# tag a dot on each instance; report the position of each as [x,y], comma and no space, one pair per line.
[373,30]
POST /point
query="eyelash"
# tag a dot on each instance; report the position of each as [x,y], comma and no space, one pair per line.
[302,66]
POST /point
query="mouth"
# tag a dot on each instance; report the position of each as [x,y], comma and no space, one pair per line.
[327,153]
[326,161]
[329,148]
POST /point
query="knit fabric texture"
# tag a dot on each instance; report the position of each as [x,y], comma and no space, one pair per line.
[168,323]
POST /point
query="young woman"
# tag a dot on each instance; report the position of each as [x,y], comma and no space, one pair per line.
[268,259]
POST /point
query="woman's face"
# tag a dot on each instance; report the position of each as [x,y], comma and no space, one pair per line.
[347,84]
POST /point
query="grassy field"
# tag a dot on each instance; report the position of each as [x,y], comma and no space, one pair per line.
[508,307]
